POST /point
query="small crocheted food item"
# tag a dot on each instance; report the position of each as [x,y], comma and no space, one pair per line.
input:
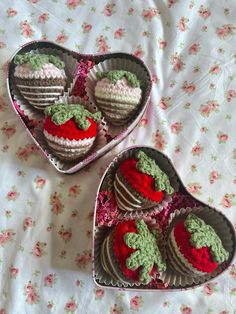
[130,253]
[140,183]
[40,78]
[70,130]
[118,95]
[194,248]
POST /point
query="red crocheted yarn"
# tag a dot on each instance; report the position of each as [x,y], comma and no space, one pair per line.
[70,130]
[141,182]
[122,251]
[200,259]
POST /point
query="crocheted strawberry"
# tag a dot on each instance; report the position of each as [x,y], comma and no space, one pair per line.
[70,130]
[194,247]
[139,183]
[118,95]
[131,254]
[40,78]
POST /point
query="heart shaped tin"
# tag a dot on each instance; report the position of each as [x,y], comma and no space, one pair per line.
[161,218]
[109,135]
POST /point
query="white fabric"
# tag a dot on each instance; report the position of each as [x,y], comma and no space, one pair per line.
[190,49]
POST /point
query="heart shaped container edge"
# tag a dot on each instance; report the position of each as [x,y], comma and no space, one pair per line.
[96,58]
[181,187]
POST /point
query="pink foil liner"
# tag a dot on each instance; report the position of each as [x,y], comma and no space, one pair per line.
[107,211]
[80,74]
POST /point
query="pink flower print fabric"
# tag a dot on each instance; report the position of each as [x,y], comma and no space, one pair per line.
[46,225]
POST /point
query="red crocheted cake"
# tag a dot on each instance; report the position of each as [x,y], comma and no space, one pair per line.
[139,183]
[130,253]
[194,248]
[70,130]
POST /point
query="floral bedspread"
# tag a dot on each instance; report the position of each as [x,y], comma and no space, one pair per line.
[46,217]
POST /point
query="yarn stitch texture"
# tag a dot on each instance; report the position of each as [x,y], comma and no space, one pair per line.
[204,235]
[200,259]
[70,130]
[141,182]
[147,165]
[62,113]
[37,61]
[116,75]
[147,253]
[122,251]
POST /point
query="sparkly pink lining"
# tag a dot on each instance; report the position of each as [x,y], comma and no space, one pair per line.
[179,200]
[80,74]
[107,210]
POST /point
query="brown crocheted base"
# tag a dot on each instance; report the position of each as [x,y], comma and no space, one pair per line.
[41,82]
[41,93]
[109,262]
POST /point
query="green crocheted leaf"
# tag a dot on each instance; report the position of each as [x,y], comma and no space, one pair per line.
[62,113]
[133,240]
[81,120]
[147,252]
[142,228]
[37,61]
[135,260]
[203,235]
[62,116]
[116,75]
[148,165]
[144,272]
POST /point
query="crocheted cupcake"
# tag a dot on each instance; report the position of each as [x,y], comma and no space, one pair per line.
[194,248]
[140,183]
[130,253]
[118,95]
[70,130]
[40,78]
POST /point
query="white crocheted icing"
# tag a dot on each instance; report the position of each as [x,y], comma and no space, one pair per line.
[68,143]
[48,70]
[40,87]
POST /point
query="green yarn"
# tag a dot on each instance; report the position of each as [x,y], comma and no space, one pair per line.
[37,61]
[62,113]
[147,253]
[116,75]
[147,165]
[204,235]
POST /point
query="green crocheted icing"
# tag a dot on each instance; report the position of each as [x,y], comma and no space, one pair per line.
[204,235]
[147,165]
[147,253]
[62,113]
[116,75]
[37,61]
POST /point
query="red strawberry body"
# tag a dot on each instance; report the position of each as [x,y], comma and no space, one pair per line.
[122,251]
[69,130]
[201,258]
[67,141]
[141,182]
